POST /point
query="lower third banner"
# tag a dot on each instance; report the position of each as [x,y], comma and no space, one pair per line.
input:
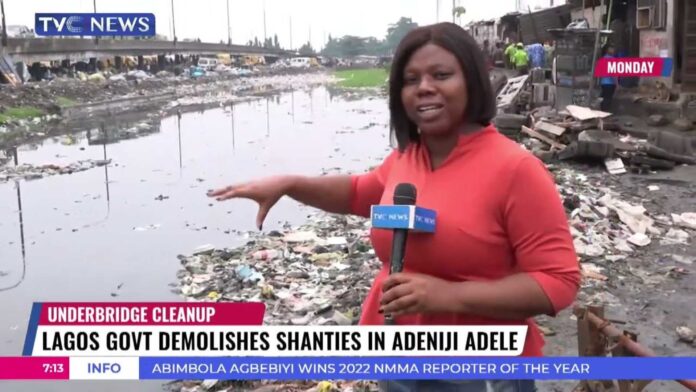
[391,368]
[345,368]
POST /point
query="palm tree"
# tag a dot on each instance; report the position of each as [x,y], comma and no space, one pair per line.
[457,12]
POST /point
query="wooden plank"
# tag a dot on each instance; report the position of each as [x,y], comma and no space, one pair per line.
[543,138]
[584,113]
[550,128]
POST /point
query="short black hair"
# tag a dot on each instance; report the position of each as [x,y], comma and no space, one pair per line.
[481,106]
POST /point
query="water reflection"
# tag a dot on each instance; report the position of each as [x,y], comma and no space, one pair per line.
[20,214]
[178,127]
[268,124]
[137,235]
[21,209]
[292,98]
[232,121]
[114,132]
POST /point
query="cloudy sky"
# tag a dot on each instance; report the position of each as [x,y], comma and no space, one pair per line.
[206,19]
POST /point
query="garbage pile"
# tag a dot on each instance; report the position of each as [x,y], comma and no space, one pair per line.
[582,134]
[625,242]
[315,275]
[605,225]
[34,172]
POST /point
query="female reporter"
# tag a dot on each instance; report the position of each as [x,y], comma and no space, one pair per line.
[502,252]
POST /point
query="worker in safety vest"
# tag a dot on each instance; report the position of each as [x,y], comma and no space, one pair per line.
[521,60]
[510,55]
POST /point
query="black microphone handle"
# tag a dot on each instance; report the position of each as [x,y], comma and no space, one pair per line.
[397,260]
[398,250]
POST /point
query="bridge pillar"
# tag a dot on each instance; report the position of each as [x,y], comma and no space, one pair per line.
[161,61]
[141,62]
[119,63]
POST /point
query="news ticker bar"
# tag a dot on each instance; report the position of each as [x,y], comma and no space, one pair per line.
[344,368]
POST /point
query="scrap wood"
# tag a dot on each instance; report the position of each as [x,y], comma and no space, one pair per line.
[550,128]
[545,139]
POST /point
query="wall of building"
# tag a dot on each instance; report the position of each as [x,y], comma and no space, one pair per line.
[593,15]
[660,43]
[484,32]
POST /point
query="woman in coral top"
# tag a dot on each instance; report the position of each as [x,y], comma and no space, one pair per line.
[502,252]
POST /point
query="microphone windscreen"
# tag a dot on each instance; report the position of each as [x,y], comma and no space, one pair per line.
[405,194]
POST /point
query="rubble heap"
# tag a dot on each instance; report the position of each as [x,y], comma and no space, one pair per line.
[580,133]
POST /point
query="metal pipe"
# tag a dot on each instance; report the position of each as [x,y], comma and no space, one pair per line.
[173,22]
[229,34]
[606,328]
[594,62]
[4,25]
[94,6]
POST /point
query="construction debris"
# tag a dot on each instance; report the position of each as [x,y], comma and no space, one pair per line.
[582,134]
[686,334]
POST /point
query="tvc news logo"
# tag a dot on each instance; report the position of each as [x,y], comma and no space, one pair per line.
[100,24]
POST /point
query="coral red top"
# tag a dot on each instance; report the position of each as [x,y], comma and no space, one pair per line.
[498,213]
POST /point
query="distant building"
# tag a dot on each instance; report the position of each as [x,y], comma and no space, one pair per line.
[485,30]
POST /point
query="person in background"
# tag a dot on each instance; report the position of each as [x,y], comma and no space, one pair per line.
[498,55]
[536,55]
[608,84]
[548,54]
[487,54]
[521,59]
[502,252]
[510,55]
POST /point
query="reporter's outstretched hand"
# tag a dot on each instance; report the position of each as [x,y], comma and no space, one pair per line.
[266,192]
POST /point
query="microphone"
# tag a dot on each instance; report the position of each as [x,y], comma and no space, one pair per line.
[404,194]
[401,217]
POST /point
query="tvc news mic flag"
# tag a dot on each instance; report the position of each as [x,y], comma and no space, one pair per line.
[407,217]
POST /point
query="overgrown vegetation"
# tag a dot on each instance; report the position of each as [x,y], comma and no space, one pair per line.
[65,102]
[18,113]
[372,77]
[349,46]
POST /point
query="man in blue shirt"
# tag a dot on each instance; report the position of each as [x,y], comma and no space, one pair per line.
[608,84]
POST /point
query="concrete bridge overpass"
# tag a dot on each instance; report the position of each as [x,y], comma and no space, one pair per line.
[30,50]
